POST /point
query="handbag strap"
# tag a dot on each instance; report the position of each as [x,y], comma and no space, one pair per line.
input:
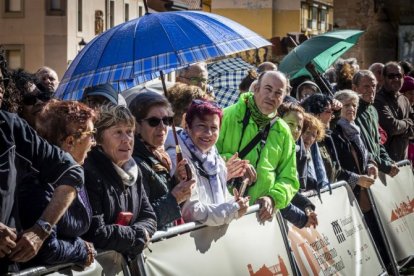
[260,136]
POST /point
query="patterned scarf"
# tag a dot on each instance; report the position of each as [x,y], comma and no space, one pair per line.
[159,153]
[210,164]
[260,119]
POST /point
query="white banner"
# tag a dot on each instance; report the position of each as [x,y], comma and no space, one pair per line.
[244,247]
[394,199]
[340,245]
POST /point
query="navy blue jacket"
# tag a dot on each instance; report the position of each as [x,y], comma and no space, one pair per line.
[23,152]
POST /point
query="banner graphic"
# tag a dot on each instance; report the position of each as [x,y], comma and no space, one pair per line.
[341,244]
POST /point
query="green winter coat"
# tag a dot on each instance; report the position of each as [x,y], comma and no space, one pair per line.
[276,169]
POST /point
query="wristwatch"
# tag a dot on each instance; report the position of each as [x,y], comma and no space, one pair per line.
[44,225]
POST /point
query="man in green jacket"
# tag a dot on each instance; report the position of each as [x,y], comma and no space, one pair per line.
[273,161]
[364,83]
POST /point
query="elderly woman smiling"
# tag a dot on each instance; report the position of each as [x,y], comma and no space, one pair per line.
[122,220]
[210,202]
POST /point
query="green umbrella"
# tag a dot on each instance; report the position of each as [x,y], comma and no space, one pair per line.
[323,50]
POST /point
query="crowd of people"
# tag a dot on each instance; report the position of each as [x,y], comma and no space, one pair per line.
[105,173]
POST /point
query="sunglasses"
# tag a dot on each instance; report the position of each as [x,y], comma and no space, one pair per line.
[154,121]
[31,99]
[392,76]
[196,80]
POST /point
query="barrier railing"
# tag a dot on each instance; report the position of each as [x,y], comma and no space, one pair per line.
[194,248]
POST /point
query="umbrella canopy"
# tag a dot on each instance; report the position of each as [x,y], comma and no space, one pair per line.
[323,50]
[138,50]
[225,76]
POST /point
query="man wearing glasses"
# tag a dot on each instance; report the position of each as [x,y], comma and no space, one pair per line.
[197,75]
[395,114]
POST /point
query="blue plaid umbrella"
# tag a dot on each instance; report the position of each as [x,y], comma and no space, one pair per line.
[138,50]
[225,76]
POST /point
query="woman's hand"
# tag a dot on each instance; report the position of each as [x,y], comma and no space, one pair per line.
[243,202]
[312,218]
[180,172]
[91,253]
[236,167]
[365,181]
[373,171]
[182,191]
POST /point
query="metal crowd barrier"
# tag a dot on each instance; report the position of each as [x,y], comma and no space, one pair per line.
[188,227]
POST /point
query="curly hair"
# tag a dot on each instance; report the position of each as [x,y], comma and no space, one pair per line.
[180,96]
[311,122]
[316,103]
[60,119]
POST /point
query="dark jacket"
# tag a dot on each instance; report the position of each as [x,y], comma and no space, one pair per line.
[158,185]
[347,160]
[108,197]
[396,118]
[23,152]
[367,120]
[64,244]
[295,211]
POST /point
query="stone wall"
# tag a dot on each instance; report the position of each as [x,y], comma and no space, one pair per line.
[380,19]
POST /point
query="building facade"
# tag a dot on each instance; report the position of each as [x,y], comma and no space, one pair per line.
[277,19]
[52,32]
[388,27]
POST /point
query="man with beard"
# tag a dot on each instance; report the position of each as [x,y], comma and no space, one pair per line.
[395,114]
[364,83]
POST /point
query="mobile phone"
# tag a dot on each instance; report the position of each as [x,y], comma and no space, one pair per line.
[124,218]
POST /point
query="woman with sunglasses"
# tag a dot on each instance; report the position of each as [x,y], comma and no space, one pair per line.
[210,202]
[70,126]
[122,218]
[153,114]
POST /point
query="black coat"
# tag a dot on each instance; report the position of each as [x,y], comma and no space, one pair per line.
[158,185]
[347,160]
[23,152]
[108,197]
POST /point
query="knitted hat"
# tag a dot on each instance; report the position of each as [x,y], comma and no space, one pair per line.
[408,84]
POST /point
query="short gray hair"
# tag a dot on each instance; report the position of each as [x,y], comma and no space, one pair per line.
[112,115]
[345,95]
[362,74]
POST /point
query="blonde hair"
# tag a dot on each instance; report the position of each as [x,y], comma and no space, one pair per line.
[311,122]
[111,115]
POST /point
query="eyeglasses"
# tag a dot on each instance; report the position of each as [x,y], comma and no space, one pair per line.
[154,121]
[32,98]
[392,76]
[90,133]
[196,80]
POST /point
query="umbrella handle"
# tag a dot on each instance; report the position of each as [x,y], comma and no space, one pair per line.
[318,79]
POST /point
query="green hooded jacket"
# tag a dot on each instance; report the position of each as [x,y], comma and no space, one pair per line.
[276,168]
